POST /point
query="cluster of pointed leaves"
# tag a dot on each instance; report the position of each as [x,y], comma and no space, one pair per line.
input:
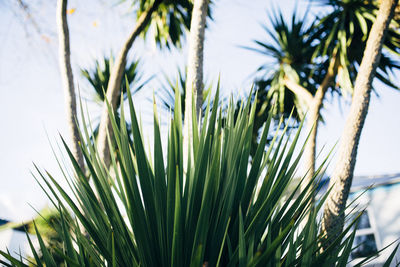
[347,27]
[169,22]
[301,51]
[290,47]
[99,76]
[289,54]
[223,211]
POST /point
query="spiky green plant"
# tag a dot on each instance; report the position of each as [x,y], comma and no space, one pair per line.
[222,211]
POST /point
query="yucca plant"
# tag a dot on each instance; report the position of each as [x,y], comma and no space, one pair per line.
[221,211]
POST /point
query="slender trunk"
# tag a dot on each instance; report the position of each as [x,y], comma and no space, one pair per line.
[194,80]
[310,148]
[333,218]
[314,104]
[313,118]
[68,80]
[113,92]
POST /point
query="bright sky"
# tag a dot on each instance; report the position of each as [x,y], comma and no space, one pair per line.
[32,102]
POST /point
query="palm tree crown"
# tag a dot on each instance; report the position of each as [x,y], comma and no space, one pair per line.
[99,76]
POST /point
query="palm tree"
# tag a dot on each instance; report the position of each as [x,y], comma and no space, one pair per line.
[292,78]
[98,78]
[345,31]
[337,41]
[173,16]
[333,219]
[68,80]
[291,59]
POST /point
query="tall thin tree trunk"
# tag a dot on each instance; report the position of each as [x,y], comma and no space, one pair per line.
[113,93]
[194,80]
[310,148]
[333,218]
[314,114]
[68,80]
[314,104]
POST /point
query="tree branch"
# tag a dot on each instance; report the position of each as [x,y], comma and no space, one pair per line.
[299,91]
[329,77]
[113,92]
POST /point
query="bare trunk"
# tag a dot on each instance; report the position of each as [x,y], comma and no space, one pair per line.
[333,218]
[313,118]
[68,81]
[310,148]
[113,92]
[194,80]
[314,104]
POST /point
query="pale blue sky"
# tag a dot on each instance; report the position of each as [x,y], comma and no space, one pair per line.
[32,101]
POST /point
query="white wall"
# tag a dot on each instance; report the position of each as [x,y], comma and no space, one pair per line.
[383,205]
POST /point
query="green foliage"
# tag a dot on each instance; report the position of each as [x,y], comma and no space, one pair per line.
[99,76]
[346,29]
[290,52]
[169,22]
[302,52]
[221,211]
